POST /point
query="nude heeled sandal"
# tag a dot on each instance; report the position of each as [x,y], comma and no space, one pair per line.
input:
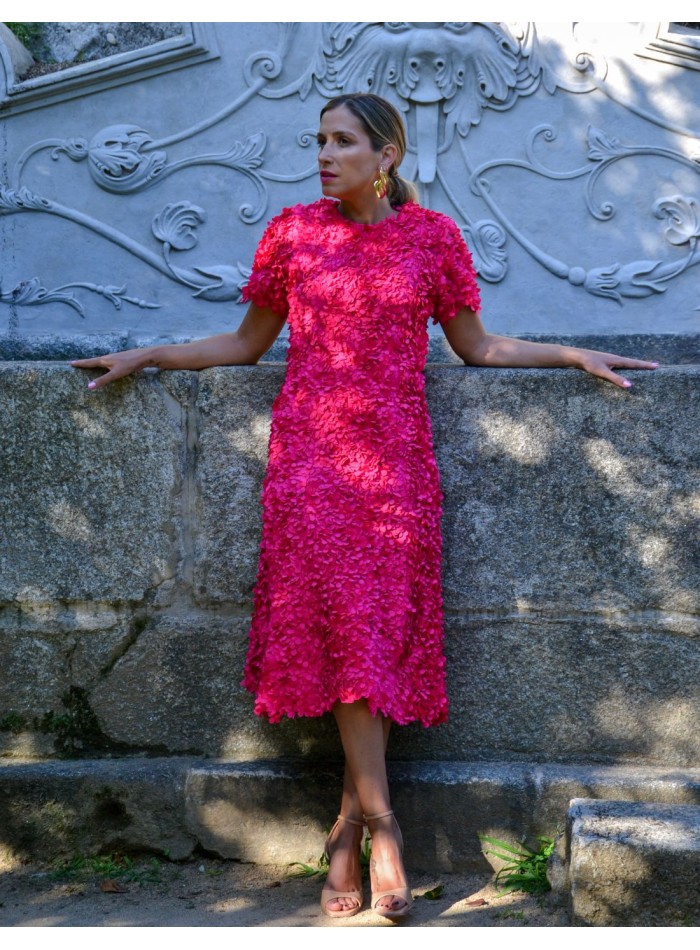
[402,893]
[327,895]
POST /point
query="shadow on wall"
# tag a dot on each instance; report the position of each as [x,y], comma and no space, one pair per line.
[568,565]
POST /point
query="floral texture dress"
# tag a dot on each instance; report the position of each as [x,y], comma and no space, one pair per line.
[348,601]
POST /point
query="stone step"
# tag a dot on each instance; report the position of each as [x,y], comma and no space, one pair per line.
[278,811]
[630,863]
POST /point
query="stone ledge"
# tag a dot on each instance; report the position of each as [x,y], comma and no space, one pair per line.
[274,812]
[632,863]
[668,348]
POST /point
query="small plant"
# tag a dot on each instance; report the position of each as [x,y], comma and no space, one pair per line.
[510,914]
[321,867]
[26,33]
[31,35]
[13,722]
[526,869]
[113,866]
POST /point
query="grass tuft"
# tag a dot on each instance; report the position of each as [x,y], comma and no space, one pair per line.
[113,866]
[526,869]
[321,866]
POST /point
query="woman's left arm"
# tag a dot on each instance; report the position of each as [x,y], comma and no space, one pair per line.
[468,338]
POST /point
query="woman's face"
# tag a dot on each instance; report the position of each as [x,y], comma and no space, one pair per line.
[348,164]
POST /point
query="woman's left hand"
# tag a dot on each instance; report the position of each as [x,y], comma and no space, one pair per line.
[604,364]
[466,335]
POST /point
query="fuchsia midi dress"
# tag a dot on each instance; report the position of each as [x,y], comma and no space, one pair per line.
[348,601]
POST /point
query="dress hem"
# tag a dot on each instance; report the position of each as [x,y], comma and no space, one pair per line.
[276,714]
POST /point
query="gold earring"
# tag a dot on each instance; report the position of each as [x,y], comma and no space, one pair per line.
[380,185]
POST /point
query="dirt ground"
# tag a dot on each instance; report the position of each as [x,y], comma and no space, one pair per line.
[206,892]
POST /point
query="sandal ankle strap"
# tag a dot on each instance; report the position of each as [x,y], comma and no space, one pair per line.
[351,821]
[383,814]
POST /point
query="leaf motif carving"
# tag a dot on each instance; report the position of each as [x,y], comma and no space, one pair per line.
[682,216]
[248,154]
[75,149]
[601,146]
[29,293]
[487,240]
[629,280]
[22,200]
[176,223]
[227,285]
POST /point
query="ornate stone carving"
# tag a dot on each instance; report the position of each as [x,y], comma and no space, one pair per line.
[31,293]
[443,76]
[635,279]
[119,160]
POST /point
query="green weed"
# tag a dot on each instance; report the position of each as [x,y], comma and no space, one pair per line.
[31,36]
[321,866]
[510,915]
[108,866]
[526,869]
[13,722]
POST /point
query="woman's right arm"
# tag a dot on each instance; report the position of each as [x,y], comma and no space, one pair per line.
[259,329]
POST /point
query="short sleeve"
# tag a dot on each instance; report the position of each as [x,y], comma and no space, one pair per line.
[268,284]
[455,284]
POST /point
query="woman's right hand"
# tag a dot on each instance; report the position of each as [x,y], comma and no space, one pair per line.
[116,364]
[259,329]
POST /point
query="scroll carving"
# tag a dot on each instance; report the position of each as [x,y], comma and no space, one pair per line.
[444,77]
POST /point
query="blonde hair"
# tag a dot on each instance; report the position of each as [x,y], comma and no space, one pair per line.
[384,126]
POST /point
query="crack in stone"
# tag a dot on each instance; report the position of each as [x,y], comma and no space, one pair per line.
[138,624]
[184,494]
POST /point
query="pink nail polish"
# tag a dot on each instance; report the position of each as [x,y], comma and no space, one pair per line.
[627,384]
[91,385]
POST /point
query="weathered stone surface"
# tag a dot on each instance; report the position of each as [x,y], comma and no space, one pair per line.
[567,689]
[276,812]
[51,654]
[86,510]
[57,809]
[273,811]
[445,808]
[554,786]
[149,492]
[249,812]
[234,425]
[56,347]
[39,668]
[69,42]
[634,864]
[669,349]
[566,494]
[177,689]
[267,811]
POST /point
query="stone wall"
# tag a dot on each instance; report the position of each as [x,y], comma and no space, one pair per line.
[129,526]
[133,189]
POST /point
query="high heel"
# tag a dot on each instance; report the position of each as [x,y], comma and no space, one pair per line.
[327,895]
[401,893]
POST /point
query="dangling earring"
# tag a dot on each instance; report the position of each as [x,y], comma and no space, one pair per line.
[380,185]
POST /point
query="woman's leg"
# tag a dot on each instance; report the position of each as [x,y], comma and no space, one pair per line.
[366,791]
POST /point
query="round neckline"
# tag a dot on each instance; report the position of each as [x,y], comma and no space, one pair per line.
[335,207]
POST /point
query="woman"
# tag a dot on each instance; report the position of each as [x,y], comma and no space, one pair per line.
[348,611]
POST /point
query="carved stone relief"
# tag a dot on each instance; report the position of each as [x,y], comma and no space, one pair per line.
[445,78]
